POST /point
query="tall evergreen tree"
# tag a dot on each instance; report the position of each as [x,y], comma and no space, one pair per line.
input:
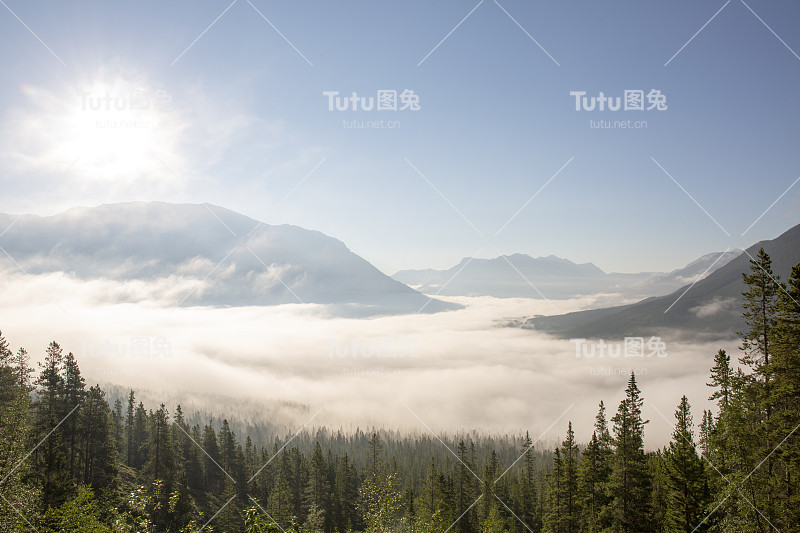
[129,429]
[18,504]
[73,395]
[98,450]
[52,469]
[687,481]
[629,486]
[317,493]
[593,476]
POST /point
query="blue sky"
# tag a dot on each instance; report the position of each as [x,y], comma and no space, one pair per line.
[239,119]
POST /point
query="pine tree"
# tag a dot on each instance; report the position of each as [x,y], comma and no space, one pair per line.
[139,436]
[18,502]
[659,494]
[721,380]
[23,369]
[464,491]
[118,425]
[96,431]
[528,497]
[593,476]
[52,469]
[554,507]
[760,308]
[129,428]
[374,457]
[629,486]
[759,312]
[488,489]
[687,481]
[211,458]
[74,394]
[784,398]
[317,493]
[160,463]
[279,503]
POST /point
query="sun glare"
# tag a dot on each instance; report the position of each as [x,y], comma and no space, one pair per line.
[118,130]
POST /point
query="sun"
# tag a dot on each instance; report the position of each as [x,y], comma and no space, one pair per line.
[118,129]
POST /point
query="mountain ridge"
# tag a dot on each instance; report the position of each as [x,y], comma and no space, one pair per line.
[236,259]
[711,306]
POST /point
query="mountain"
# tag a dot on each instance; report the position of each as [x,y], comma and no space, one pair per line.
[233,260]
[713,306]
[521,275]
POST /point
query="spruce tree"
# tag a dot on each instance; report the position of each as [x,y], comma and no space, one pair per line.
[687,481]
[629,486]
[52,468]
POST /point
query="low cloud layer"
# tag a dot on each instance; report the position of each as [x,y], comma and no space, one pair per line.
[470,368]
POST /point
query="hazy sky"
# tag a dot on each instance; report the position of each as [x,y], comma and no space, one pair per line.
[236,116]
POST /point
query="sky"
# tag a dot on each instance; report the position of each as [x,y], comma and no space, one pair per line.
[225,102]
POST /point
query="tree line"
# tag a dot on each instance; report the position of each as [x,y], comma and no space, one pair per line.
[71,461]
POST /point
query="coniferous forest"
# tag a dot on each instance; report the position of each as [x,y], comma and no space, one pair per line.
[70,460]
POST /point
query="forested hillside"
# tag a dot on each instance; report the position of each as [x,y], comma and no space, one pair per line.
[69,461]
